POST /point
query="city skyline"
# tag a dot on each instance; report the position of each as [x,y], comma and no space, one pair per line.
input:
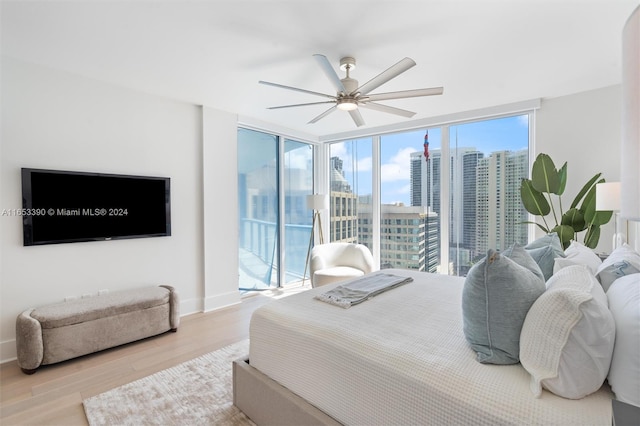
[484,209]
[509,133]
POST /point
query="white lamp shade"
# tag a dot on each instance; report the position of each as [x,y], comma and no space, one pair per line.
[608,196]
[318,202]
[630,146]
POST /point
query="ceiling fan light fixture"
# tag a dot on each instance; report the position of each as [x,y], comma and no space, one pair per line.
[347,104]
[347,63]
[350,96]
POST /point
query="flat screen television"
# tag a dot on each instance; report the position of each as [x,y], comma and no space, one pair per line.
[67,206]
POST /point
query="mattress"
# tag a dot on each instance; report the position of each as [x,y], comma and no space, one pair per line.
[401,358]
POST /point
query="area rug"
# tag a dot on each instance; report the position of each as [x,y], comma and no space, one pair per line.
[196,392]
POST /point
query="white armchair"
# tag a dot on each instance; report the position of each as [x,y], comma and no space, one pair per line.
[338,262]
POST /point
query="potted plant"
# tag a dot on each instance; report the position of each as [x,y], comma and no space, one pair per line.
[536,194]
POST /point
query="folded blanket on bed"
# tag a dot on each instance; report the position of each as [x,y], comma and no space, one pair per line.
[364,288]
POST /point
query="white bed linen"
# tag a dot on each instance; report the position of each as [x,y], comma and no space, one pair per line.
[401,359]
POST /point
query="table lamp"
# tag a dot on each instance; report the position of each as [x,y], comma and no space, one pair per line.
[608,199]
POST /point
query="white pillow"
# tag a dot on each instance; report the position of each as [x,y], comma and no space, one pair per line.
[578,277]
[566,343]
[624,304]
[578,254]
[622,261]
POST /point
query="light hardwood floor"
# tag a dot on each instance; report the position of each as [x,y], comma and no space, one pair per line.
[54,394]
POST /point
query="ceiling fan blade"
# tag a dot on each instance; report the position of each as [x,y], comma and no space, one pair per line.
[357,117]
[299,105]
[385,76]
[330,72]
[296,89]
[386,108]
[324,114]
[403,94]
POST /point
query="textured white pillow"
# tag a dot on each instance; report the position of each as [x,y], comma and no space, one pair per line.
[566,343]
[578,254]
[624,304]
[622,261]
[578,277]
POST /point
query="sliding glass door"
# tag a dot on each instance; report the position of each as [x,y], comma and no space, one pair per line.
[274,178]
[258,209]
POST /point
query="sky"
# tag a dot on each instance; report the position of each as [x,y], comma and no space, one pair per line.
[511,133]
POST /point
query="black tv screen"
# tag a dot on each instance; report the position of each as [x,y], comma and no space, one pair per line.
[66,206]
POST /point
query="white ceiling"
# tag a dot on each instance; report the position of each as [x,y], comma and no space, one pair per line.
[213,53]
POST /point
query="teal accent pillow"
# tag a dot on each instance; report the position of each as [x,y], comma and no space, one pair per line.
[498,292]
[622,261]
[613,271]
[544,251]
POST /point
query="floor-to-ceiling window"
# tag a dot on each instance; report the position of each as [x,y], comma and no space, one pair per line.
[257,208]
[274,178]
[409,200]
[488,160]
[446,193]
[350,181]
[297,184]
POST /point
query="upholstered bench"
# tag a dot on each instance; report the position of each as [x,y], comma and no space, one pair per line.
[66,330]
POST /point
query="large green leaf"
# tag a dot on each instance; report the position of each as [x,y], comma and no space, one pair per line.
[591,215]
[597,217]
[592,236]
[601,217]
[562,174]
[575,219]
[544,175]
[585,190]
[565,233]
[589,206]
[533,201]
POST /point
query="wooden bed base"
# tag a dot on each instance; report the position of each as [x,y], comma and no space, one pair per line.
[266,402]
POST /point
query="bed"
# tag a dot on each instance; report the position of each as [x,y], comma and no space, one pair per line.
[398,358]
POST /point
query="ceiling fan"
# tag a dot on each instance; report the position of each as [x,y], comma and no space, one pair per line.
[350,96]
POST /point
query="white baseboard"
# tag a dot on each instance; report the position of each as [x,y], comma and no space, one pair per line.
[8,351]
[221,301]
[190,306]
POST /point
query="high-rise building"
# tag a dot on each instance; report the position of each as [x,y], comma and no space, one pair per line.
[425,192]
[500,213]
[467,215]
[425,188]
[425,180]
[407,235]
[415,178]
[463,185]
[343,206]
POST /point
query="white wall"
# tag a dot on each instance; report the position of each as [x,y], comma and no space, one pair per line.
[220,177]
[584,130]
[55,120]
